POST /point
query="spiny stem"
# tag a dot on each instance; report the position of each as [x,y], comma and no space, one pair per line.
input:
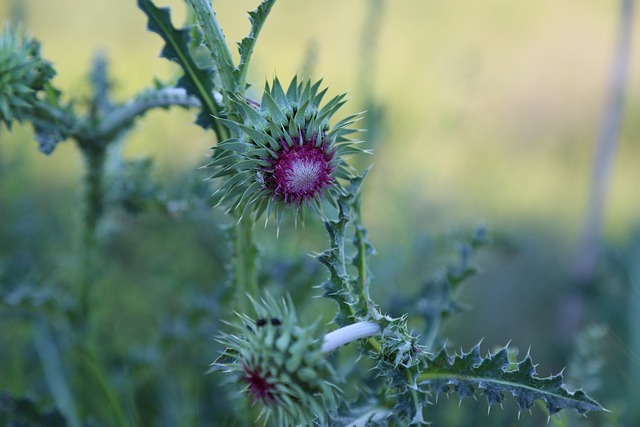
[361,261]
[245,268]
[334,259]
[215,41]
[414,393]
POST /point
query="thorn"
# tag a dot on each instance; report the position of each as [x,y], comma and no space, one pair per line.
[519,412]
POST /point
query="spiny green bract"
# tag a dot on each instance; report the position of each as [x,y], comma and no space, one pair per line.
[281,365]
[284,153]
[23,73]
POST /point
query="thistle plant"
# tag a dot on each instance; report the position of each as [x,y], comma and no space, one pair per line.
[281,155]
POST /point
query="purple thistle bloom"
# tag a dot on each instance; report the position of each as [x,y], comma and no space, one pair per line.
[284,155]
[300,172]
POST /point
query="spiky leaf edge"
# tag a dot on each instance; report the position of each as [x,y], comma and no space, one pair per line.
[246,45]
[196,81]
[495,375]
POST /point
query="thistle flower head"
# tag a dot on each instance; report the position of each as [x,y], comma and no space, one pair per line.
[23,73]
[280,364]
[284,153]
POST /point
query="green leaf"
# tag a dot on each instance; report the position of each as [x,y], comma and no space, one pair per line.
[494,376]
[246,46]
[52,367]
[195,81]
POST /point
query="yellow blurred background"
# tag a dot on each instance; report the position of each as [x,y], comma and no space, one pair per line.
[492,107]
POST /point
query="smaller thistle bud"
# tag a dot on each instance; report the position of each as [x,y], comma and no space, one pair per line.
[23,73]
[281,365]
[284,155]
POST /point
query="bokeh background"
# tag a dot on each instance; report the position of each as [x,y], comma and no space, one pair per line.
[484,111]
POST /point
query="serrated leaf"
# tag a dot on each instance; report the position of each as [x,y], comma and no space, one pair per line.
[494,376]
[196,81]
[246,46]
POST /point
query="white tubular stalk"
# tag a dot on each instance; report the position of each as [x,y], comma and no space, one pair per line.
[349,333]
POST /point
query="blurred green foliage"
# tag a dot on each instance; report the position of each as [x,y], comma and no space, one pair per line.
[489,111]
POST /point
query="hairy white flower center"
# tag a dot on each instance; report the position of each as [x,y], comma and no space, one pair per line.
[303,175]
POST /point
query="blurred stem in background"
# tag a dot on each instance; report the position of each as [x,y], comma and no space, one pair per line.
[309,60]
[572,309]
[369,45]
[93,200]
[94,151]
[369,40]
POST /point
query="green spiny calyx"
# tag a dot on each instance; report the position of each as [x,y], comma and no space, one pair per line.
[281,364]
[23,73]
[284,154]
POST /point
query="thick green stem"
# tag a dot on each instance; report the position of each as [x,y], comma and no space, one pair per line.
[245,265]
[361,261]
[93,209]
